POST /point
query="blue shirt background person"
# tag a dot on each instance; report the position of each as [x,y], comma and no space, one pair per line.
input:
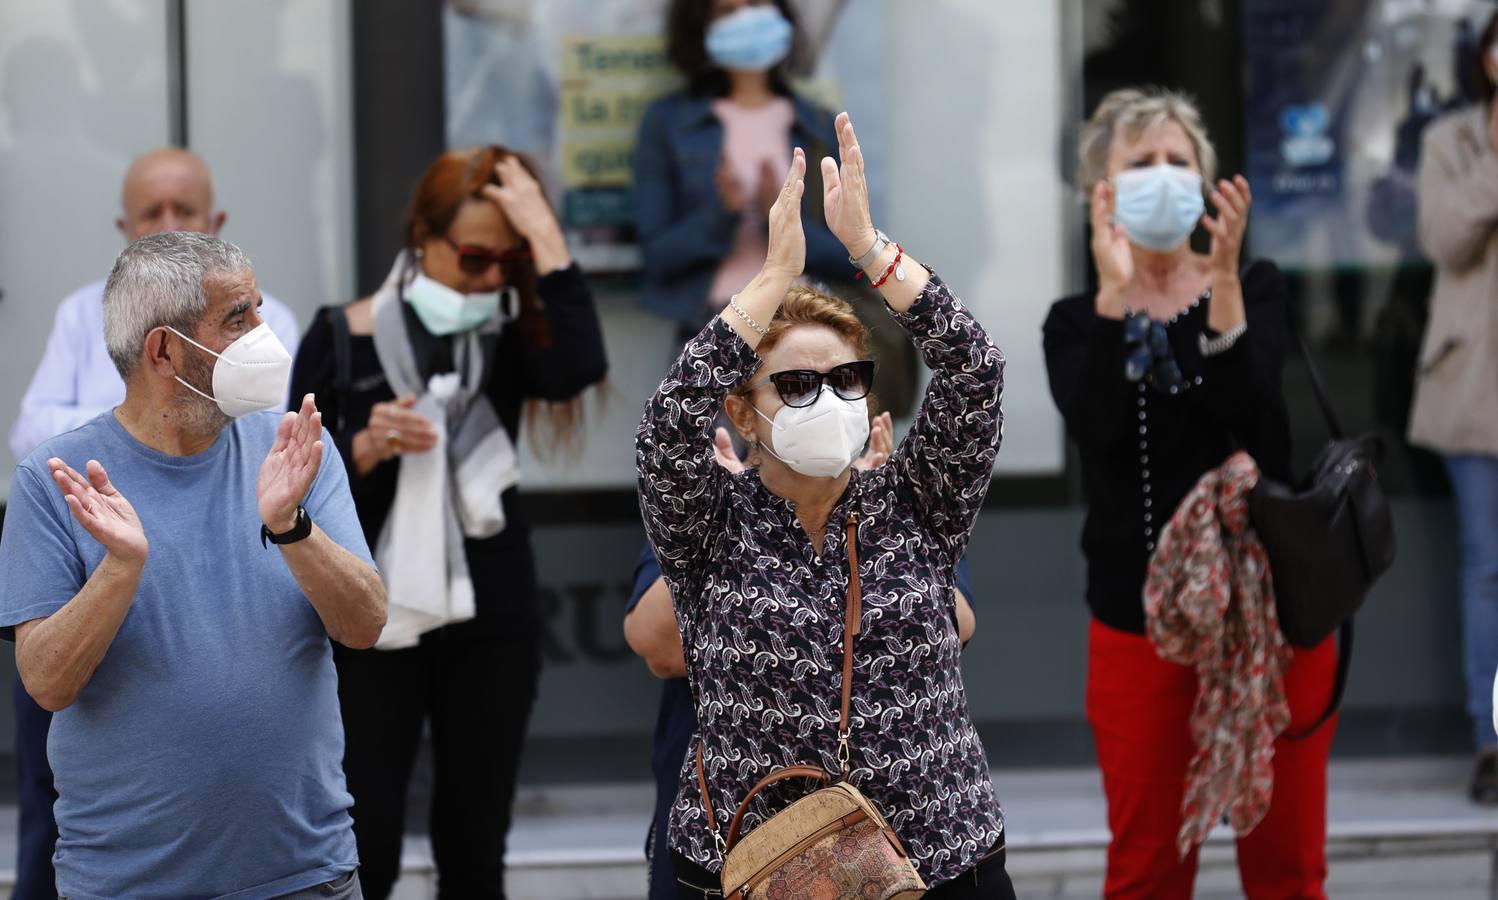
[676,723]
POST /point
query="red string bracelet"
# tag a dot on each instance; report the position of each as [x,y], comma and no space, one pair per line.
[899,252]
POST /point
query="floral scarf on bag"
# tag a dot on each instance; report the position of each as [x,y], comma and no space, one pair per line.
[1209,603]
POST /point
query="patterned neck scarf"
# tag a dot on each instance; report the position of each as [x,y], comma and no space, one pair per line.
[1209,603]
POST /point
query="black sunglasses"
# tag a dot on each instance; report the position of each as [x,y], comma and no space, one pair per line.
[800,387]
[477,260]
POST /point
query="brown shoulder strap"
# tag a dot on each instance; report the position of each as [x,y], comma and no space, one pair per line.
[707,801]
[811,772]
[852,617]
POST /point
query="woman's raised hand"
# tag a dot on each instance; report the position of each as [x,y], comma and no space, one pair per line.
[787,238]
[1110,243]
[845,192]
[520,197]
[881,443]
[1231,200]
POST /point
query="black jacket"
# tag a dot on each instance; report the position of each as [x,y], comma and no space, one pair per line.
[571,360]
[1143,450]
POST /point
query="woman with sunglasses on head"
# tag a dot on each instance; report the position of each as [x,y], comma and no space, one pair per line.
[484,320]
[1161,374]
[758,562]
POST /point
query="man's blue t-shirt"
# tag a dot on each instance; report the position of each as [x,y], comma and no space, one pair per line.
[204,757]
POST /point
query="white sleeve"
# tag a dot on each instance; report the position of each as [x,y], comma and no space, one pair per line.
[282,322]
[50,405]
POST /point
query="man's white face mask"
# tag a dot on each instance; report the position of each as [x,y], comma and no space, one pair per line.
[251,374]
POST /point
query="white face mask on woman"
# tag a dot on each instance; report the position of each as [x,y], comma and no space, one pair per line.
[821,439]
[1158,206]
[444,310]
[250,375]
[751,39]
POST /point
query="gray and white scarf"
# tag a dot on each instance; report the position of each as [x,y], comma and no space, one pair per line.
[449,493]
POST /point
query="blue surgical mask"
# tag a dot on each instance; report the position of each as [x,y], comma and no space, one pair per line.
[1158,206]
[443,310]
[753,39]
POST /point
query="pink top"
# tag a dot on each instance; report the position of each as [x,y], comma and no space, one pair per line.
[751,136]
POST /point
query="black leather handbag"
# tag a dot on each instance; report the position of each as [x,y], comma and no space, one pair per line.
[1328,538]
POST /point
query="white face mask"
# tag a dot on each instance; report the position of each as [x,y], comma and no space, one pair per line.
[752,39]
[822,439]
[251,374]
[1159,206]
[443,310]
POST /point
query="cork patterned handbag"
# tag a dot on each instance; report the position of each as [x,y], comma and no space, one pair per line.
[831,844]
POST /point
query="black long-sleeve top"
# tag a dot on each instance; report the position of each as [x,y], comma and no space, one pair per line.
[558,369]
[1142,449]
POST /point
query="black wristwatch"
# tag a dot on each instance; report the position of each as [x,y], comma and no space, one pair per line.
[300,530]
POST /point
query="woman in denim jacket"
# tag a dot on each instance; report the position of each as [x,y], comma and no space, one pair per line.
[711,158]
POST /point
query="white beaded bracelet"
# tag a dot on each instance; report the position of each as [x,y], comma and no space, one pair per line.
[733,303]
[1223,342]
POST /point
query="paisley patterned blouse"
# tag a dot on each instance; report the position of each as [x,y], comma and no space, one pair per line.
[761,612]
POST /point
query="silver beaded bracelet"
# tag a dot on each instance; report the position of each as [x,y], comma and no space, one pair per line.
[1223,342]
[733,303]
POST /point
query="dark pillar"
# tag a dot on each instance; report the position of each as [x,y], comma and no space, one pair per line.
[400,120]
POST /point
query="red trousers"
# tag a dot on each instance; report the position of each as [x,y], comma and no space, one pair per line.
[1139,706]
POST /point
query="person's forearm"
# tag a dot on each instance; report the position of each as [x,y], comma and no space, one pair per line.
[650,630]
[1457,204]
[1226,311]
[1110,302]
[345,591]
[900,295]
[57,656]
[760,301]
[550,252]
[967,623]
[366,453]
[575,358]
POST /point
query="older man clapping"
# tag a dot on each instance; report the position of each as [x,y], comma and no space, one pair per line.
[172,592]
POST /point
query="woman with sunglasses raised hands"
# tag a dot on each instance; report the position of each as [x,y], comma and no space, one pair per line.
[483,321]
[758,562]
[1171,365]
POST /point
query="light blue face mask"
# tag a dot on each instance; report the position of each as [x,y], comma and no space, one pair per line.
[753,39]
[445,311]
[1159,206]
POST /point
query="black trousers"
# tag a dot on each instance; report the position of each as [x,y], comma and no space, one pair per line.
[985,881]
[37,839]
[477,691]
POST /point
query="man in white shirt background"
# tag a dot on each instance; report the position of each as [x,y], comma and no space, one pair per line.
[165,190]
[169,189]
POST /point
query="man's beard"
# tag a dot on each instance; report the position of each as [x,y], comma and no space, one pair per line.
[195,413]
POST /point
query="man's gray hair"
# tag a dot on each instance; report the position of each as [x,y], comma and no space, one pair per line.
[1131,112]
[159,280]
